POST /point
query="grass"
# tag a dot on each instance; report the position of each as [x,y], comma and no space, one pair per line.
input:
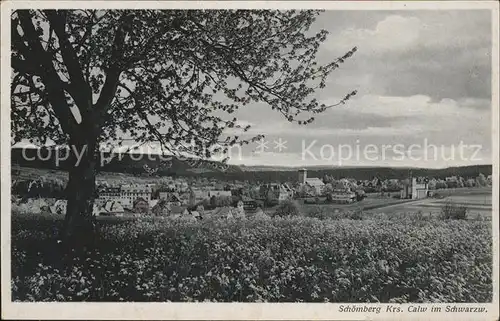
[367,204]
[398,259]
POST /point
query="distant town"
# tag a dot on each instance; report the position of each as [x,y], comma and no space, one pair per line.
[197,198]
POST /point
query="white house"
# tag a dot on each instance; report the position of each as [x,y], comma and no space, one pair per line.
[218,193]
[113,208]
[316,184]
[278,192]
[313,183]
[343,192]
[106,193]
[198,195]
[414,189]
[344,197]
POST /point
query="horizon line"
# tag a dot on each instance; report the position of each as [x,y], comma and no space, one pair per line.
[287,167]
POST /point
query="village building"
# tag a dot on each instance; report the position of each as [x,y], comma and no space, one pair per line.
[181,186]
[51,201]
[160,208]
[196,215]
[46,209]
[197,196]
[302,175]
[219,193]
[225,212]
[177,211]
[59,207]
[126,194]
[35,206]
[96,210]
[249,204]
[168,186]
[276,192]
[375,182]
[200,209]
[432,183]
[129,193]
[415,188]
[342,192]
[141,205]
[106,193]
[342,197]
[314,184]
[153,202]
[171,198]
[393,181]
[239,211]
[287,189]
[112,208]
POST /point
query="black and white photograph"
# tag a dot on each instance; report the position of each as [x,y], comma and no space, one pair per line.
[207,153]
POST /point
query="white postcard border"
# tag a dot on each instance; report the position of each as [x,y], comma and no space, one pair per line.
[229,311]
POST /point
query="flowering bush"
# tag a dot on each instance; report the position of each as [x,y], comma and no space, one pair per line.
[279,260]
[287,208]
[453,211]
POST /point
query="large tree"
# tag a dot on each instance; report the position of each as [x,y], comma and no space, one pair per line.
[83,78]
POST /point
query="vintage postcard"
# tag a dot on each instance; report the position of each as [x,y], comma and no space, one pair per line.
[240,160]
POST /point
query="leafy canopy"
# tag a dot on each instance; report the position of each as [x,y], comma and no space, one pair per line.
[173,77]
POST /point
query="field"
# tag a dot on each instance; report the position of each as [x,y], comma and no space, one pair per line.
[404,259]
[370,202]
[477,200]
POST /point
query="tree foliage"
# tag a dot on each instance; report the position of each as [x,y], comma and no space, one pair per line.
[287,208]
[90,78]
[173,77]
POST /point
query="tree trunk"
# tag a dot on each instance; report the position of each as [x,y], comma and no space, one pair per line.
[79,226]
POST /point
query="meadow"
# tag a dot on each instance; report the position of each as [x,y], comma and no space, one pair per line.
[477,200]
[372,201]
[381,249]
[295,259]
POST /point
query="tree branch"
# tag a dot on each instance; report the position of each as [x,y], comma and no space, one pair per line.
[114,70]
[78,87]
[53,83]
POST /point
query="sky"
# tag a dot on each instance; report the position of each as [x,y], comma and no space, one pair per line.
[424,85]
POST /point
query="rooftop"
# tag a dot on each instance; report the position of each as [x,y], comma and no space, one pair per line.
[314,181]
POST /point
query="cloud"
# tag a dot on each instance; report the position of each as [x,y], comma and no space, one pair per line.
[392,33]
[414,30]
[381,121]
[440,54]
[382,115]
[420,75]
